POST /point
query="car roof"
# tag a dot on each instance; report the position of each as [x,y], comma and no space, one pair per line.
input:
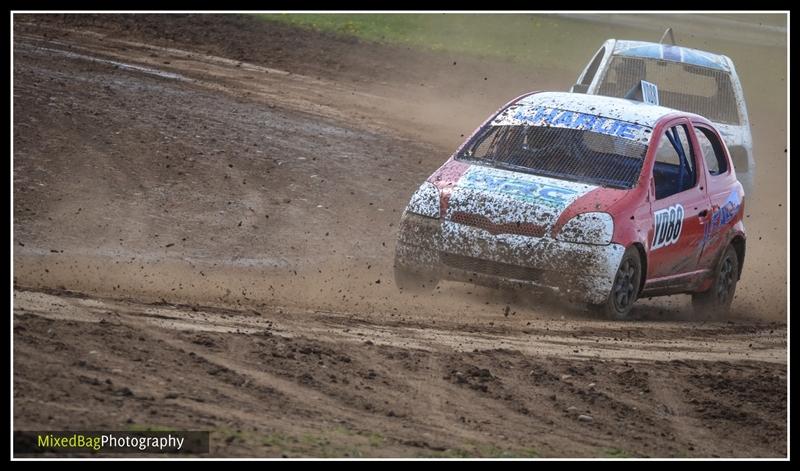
[671,52]
[621,109]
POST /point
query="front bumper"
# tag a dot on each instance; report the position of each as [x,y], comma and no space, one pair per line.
[447,250]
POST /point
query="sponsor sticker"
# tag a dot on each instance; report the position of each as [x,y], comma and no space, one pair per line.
[668,223]
[723,215]
[555,117]
[519,187]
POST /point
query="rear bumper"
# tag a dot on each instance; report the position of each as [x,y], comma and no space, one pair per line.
[446,250]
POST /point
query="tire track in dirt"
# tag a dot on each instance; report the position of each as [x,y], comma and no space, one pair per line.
[712,342]
[294,372]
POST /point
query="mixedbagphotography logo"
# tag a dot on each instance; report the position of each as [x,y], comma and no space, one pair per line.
[145,442]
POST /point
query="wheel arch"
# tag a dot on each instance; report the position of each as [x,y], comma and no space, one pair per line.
[739,245]
[643,257]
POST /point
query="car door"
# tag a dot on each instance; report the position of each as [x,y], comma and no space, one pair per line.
[679,204]
[723,193]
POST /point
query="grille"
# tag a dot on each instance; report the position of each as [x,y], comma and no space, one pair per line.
[482,222]
[488,267]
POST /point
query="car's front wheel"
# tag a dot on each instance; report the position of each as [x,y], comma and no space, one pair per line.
[625,289]
[717,300]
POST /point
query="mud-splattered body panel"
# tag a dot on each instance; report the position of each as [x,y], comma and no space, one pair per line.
[483,224]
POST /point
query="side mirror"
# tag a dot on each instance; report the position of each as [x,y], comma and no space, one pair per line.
[579,88]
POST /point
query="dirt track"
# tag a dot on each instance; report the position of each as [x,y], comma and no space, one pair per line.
[203,240]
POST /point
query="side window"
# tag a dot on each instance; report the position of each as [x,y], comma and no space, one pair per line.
[587,79]
[674,169]
[714,155]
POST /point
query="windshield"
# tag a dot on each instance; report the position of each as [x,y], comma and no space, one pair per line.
[563,144]
[686,87]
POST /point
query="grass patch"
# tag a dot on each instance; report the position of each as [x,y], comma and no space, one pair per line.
[545,41]
[276,440]
[484,451]
[375,440]
[541,40]
[616,453]
[449,453]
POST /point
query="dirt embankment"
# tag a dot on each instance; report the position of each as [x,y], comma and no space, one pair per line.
[224,195]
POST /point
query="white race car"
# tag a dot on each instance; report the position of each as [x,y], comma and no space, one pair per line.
[689,80]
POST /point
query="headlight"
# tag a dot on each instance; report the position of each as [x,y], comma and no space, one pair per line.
[588,228]
[425,201]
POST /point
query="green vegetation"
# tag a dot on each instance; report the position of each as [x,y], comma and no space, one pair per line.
[483,451]
[551,41]
[616,453]
[543,40]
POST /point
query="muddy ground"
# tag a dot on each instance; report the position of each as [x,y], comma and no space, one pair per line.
[204,218]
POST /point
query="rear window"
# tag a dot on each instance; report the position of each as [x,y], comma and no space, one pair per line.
[562,144]
[686,87]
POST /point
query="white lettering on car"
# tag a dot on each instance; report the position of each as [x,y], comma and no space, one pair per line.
[668,223]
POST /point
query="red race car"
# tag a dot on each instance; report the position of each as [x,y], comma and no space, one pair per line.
[601,199]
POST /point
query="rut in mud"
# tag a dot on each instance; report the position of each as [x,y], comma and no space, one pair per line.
[203,240]
[278,382]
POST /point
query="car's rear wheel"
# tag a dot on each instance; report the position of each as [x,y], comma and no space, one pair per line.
[625,289]
[717,300]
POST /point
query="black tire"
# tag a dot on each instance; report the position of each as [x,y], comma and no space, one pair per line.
[717,300]
[413,282]
[625,289]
